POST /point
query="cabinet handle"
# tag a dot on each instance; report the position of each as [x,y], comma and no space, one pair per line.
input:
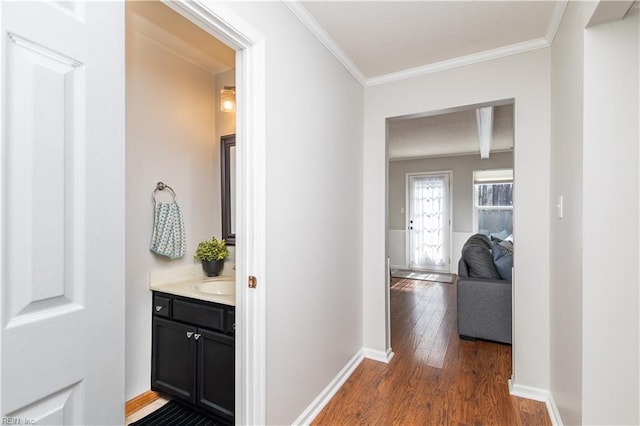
[189,334]
[159,308]
[196,336]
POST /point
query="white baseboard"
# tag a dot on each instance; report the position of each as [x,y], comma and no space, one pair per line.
[554,414]
[327,393]
[377,355]
[537,394]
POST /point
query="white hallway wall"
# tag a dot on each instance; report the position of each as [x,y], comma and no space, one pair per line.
[567,69]
[594,339]
[611,344]
[524,77]
[314,212]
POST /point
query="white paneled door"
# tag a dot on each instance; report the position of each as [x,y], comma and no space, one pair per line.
[428,219]
[62,216]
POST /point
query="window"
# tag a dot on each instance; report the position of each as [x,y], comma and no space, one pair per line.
[493,202]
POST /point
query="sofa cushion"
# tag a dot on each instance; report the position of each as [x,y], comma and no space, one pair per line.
[503,259]
[479,260]
[481,239]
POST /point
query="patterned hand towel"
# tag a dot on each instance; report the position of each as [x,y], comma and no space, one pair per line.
[168,231]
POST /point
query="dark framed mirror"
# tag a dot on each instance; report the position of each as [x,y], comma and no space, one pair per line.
[228,169]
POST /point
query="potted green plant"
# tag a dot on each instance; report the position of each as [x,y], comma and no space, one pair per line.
[212,254]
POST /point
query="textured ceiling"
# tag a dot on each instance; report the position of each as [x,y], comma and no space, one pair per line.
[454,133]
[388,37]
[385,37]
[380,41]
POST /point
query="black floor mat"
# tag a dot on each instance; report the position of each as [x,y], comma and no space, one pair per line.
[174,413]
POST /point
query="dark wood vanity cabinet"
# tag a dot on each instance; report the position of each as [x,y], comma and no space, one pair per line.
[216,355]
[193,353]
[173,359]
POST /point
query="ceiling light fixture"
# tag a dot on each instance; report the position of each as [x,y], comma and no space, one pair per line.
[228,99]
[484,117]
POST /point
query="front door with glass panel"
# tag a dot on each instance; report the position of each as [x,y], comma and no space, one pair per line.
[428,221]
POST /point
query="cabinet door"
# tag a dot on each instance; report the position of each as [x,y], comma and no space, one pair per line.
[173,359]
[216,374]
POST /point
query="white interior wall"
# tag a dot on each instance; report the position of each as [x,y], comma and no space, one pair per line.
[170,138]
[462,167]
[525,78]
[611,388]
[567,69]
[313,283]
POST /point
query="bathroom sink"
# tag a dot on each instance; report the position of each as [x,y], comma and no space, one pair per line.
[223,287]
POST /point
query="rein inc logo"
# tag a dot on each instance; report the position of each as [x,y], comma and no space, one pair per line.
[18,421]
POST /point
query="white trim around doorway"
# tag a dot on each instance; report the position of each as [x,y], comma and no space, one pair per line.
[224,24]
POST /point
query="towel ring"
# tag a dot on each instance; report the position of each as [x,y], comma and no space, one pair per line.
[160,186]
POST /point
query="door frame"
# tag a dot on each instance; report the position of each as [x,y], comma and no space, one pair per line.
[407,209]
[224,24]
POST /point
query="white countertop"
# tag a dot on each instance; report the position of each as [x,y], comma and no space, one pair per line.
[190,282]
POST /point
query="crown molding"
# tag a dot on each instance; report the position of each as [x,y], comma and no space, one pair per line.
[460,61]
[556,18]
[312,24]
[316,29]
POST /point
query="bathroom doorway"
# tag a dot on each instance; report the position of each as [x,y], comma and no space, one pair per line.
[216,24]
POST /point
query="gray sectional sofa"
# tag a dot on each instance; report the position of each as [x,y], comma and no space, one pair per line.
[484,290]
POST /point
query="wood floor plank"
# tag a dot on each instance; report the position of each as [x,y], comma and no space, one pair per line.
[434,378]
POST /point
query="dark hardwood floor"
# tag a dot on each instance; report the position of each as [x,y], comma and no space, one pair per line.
[434,378]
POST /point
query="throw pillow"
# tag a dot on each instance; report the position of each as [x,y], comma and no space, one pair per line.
[507,247]
[503,261]
[479,260]
[499,236]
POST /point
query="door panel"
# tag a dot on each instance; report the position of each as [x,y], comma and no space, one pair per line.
[62,199]
[42,245]
[216,386]
[63,407]
[173,366]
[428,197]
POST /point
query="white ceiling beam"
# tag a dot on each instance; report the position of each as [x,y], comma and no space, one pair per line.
[484,117]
